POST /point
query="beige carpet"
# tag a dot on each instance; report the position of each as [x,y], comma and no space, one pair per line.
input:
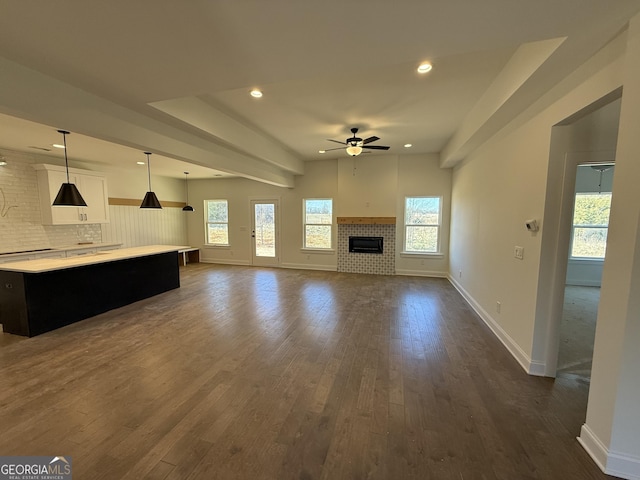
[577,331]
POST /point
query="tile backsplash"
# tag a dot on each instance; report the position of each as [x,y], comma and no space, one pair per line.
[20,222]
[378,264]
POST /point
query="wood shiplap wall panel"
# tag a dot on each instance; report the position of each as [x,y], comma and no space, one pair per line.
[134,226]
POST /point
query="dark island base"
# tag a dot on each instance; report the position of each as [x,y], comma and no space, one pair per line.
[35,303]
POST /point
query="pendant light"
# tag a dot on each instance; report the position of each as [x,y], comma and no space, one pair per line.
[187,207]
[150,199]
[68,195]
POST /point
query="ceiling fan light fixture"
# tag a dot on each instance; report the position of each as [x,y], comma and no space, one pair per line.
[354,150]
[425,67]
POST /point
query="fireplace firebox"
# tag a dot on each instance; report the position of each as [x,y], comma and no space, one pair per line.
[366,244]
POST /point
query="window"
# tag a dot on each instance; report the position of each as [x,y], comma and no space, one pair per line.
[422,224]
[590,225]
[217,222]
[318,222]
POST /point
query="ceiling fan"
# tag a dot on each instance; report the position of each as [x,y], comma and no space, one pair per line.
[355,144]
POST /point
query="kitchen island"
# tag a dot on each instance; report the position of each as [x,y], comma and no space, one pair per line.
[37,296]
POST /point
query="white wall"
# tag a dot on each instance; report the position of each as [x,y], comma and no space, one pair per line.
[419,175]
[612,427]
[134,226]
[20,220]
[496,189]
[520,174]
[134,183]
[372,186]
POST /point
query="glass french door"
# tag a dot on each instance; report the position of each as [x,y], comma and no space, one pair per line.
[264,232]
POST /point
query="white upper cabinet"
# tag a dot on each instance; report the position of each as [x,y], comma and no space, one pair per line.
[91,185]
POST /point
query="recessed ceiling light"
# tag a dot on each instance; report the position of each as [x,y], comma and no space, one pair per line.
[322,151]
[408,145]
[57,145]
[2,163]
[140,163]
[255,93]
[424,67]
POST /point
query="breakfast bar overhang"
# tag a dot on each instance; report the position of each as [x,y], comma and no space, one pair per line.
[38,296]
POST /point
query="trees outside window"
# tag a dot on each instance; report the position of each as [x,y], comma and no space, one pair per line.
[318,223]
[590,225]
[217,222]
[422,217]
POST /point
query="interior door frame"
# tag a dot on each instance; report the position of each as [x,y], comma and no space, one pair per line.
[562,245]
[265,261]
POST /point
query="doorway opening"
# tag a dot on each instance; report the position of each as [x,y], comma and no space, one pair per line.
[588,138]
[587,249]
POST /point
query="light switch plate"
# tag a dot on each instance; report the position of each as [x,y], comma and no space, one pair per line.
[519,253]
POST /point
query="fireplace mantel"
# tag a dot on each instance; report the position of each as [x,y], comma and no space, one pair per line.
[366,220]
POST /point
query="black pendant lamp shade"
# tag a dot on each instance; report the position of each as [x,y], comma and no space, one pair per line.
[68,195]
[150,200]
[187,207]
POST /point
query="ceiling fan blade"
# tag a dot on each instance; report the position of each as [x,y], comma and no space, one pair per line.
[370,139]
[376,147]
[329,149]
[341,143]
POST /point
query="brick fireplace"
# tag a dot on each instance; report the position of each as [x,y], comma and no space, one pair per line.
[373,263]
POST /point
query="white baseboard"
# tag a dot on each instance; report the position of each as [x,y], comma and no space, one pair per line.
[306,266]
[593,446]
[421,273]
[243,263]
[623,466]
[611,463]
[532,368]
[297,266]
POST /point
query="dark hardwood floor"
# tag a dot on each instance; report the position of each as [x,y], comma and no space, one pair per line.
[250,373]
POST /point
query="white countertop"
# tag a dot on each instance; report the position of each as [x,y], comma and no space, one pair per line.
[50,264]
[64,248]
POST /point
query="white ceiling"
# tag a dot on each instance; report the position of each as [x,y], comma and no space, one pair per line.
[174,78]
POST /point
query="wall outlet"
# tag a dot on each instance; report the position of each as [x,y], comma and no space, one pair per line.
[498,307]
[519,252]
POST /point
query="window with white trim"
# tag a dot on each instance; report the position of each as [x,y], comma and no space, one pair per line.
[422,219]
[318,223]
[590,225]
[216,222]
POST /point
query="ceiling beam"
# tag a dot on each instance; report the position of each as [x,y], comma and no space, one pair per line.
[33,96]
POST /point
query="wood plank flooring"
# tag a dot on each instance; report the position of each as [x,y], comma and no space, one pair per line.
[250,373]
